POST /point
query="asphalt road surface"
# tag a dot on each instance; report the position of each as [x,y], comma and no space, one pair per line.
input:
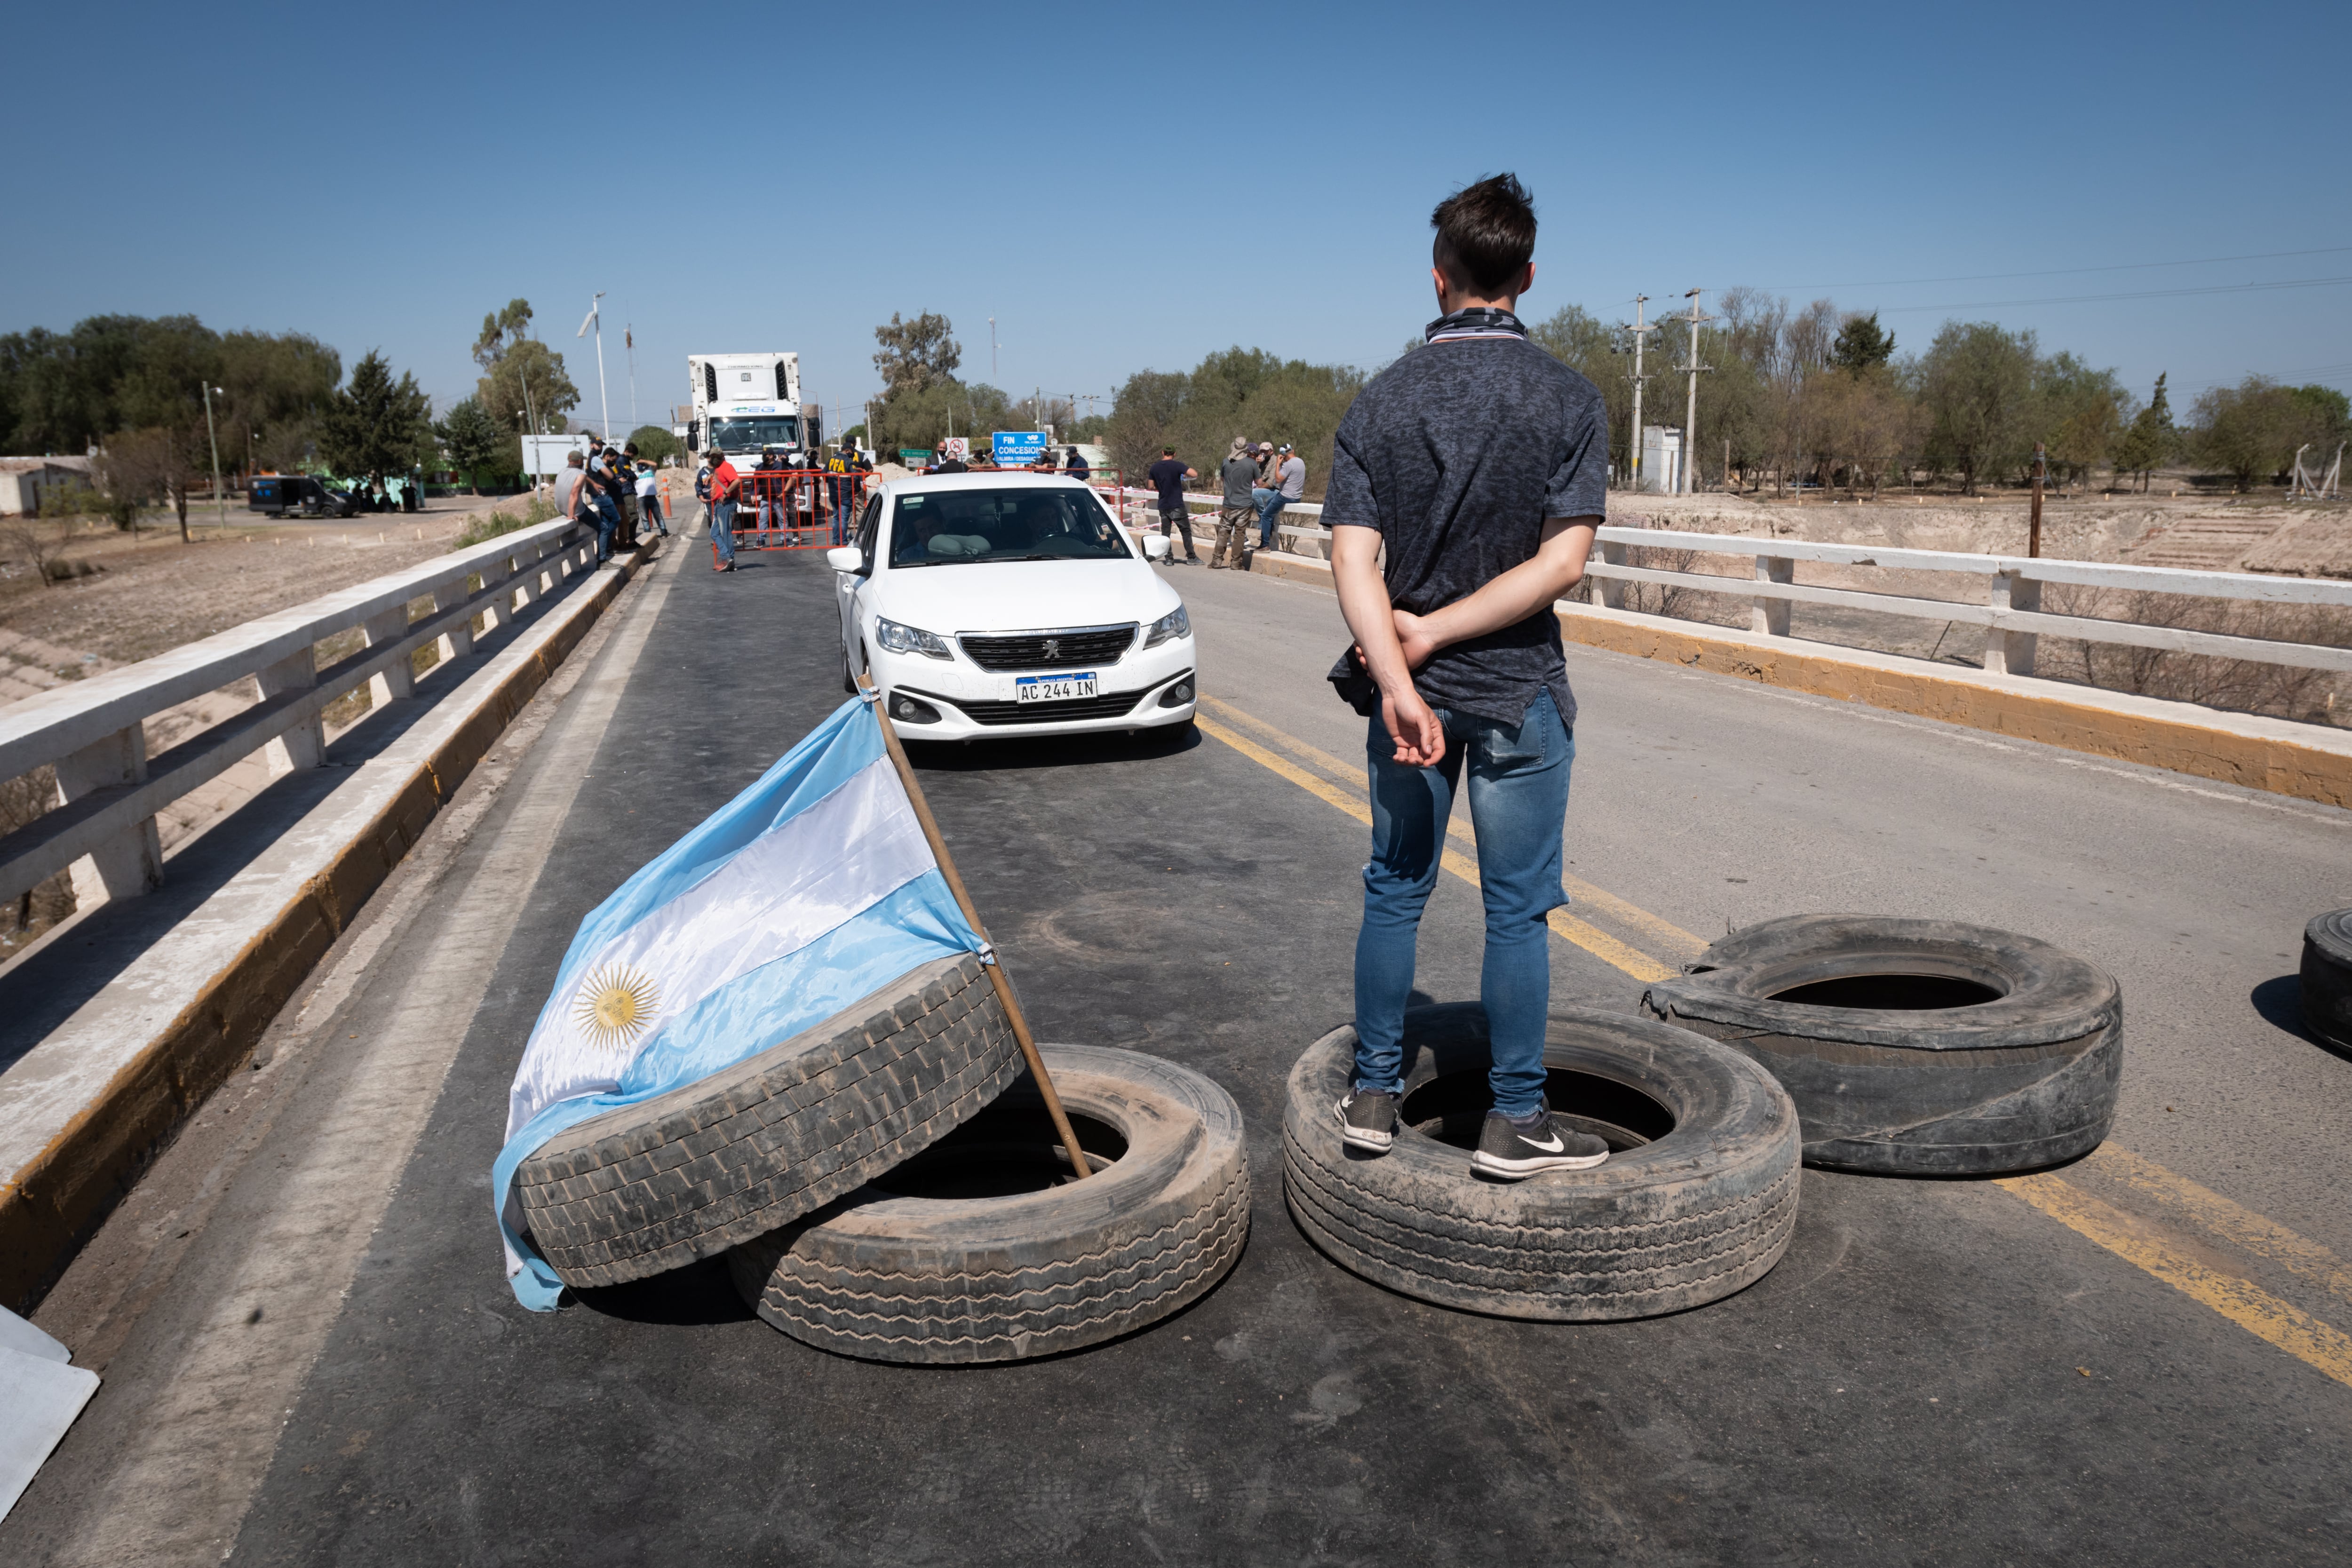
[2139,1360]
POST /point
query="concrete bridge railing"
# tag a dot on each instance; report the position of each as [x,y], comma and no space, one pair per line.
[92,733]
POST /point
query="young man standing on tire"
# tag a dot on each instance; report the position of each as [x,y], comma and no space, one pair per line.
[1480,461]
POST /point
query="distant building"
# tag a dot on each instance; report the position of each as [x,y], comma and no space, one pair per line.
[1661,459]
[25,481]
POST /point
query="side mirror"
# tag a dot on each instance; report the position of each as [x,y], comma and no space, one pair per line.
[1155,547]
[845,558]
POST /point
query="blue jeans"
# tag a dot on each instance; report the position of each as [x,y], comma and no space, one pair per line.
[722,531]
[1269,506]
[608,524]
[1518,797]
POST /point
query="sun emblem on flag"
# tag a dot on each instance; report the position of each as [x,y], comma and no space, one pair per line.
[617,1004]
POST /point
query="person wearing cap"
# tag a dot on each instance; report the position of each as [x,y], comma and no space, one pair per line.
[649,507]
[726,484]
[605,488]
[1240,477]
[1168,476]
[1289,478]
[1266,496]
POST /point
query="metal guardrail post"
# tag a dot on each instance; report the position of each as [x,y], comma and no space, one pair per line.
[130,862]
[1770,616]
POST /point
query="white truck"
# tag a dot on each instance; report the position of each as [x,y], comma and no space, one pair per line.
[745,402]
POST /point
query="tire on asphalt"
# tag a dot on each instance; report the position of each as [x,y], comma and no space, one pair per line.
[2327,978]
[1696,1201]
[651,1186]
[986,1248]
[1912,1046]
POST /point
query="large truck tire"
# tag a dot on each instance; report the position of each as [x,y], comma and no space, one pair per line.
[1697,1199]
[1912,1046]
[651,1186]
[987,1249]
[2327,978]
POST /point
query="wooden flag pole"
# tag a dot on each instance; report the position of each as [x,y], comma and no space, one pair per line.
[971,916]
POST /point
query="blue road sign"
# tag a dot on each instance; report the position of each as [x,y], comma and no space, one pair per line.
[1018,448]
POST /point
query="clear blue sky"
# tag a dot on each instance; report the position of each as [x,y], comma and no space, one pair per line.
[1131,188]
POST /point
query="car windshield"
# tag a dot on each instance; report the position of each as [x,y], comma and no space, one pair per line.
[751,434]
[960,527]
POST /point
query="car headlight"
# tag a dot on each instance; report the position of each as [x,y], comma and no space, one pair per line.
[909,640]
[1174,623]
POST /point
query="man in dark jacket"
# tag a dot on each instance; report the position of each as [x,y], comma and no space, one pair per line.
[1168,476]
[1473,468]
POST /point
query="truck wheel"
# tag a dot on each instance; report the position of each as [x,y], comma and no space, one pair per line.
[648,1187]
[2327,978]
[1915,1048]
[1697,1199]
[986,1248]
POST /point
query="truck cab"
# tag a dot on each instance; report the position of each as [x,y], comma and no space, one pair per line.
[744,401]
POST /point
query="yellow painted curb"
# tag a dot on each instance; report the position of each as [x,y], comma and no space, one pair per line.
[59,1196]
[2189,740]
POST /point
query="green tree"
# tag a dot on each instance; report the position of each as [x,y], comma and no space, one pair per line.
[2081,412]
[376,426]
[655,443]
[916,353]
[473,445]
[1976,382]
[2251,431]
[1862,344]
[2151,441]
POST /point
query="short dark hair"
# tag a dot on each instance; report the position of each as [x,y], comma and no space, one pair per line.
[1167,451]
[1485,234]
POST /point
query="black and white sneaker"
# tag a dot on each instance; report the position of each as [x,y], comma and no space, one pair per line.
[1513,1150]
[1368,1121]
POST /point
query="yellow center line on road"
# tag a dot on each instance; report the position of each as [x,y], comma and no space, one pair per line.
[2319,1345]
[1601,899]
[2140,1242]
[1593,940]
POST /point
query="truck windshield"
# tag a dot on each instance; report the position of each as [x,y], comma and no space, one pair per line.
[948,528]
[751,434]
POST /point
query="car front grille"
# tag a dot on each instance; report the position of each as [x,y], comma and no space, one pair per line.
[1070,649]
[1110,705]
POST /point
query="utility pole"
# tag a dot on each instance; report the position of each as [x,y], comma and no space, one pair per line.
[596,320]
[2033,529]
[1640,332]
[991,349]
[629,341]
[220,503]
[1690,418]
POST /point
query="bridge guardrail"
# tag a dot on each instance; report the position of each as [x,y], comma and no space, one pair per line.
[92,733]
[2011,614]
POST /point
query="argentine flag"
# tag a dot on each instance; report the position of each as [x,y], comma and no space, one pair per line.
[810,890]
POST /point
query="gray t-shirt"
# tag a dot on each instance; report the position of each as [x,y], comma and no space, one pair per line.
[1294,479]
[1240,475]
[1457,453]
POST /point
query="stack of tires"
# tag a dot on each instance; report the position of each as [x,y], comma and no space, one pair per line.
[1851,1042]
[888,1183]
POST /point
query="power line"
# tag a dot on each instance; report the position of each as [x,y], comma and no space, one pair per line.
[2140,294]
[2059,272]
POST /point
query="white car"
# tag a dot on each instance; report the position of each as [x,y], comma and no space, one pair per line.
[1009,604]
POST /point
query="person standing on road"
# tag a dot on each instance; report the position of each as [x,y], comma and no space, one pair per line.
[1240,477]
[1481,463]
[1078,467]
[602,490]
[649,507]
[1168,476]
[702,491]
[1289,478]
[725,484]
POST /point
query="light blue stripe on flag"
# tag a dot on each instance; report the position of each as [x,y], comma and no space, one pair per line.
[810,890]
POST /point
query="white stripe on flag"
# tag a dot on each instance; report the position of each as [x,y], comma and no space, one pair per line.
[777,894]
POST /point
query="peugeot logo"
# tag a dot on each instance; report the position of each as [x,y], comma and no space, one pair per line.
[1052,647]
